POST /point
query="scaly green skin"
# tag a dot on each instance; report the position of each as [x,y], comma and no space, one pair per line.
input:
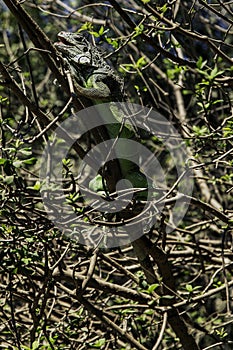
[97,81]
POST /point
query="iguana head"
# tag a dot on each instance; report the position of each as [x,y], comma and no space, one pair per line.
[87,64]
[79,51]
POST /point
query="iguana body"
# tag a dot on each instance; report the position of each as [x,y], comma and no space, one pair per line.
[97,81]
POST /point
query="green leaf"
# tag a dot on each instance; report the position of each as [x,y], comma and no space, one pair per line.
[17,163]
[3,161]
[217,101]
[200,63]
[30,161]
[189,288]
[138,30]
[141,62]
[187,92]
[214,73]
[221,333]
[101,31]
[99,343]
[200,131]
[18,143]
[36,187]
[25,151]
[86,26]
[3,100]
[152,287]
[96,184]
[9,179]
[163,8]
[35,345]
[26,261]
[66,162]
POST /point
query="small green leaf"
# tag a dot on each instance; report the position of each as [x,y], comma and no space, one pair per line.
[3,161]
[35,345]
[200,131]
[187,92]
[152,287]
[25,151]
[99,343]
[101,31]
[30,161]
[214,73]
[221,333]
[189,288]
[26,261]
[86,26]
[200,63]
[3,99]
[37,186]
[17,163]
[163,8]
[217,101]
[96,184]
[141,62]
[138,30]
[9,179]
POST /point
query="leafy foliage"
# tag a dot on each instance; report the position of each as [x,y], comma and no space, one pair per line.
[57,294]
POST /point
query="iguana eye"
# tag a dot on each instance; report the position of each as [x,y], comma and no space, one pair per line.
[83,60]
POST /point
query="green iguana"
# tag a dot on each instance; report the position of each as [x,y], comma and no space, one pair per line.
[94,79]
